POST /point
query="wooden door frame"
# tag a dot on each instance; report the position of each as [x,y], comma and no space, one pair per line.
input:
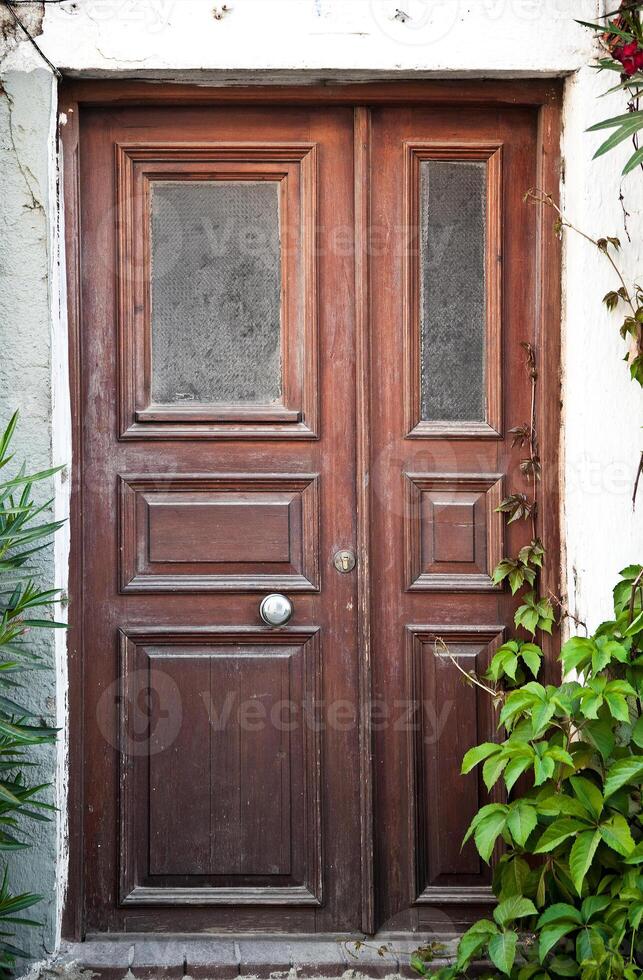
[544,96]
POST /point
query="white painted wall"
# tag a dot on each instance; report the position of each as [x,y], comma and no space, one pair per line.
[307,40]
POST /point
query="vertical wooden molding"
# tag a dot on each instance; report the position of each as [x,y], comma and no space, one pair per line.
[547,330]
[72,919]
[362,136]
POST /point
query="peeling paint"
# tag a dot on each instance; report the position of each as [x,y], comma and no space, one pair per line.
[31,16]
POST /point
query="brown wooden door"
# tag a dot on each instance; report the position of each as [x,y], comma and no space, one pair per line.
[256,394]
[219,466]
[453,296]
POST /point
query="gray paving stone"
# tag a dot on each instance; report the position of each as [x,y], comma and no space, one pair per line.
[311,958]
[212,959]
[264,958]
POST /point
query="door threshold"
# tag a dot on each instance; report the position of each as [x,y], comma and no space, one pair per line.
[204,957]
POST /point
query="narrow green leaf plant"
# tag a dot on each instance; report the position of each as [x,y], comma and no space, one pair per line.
[24,531]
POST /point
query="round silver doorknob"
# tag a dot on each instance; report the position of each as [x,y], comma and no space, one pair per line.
[276,609]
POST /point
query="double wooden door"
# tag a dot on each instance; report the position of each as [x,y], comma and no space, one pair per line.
[299,358]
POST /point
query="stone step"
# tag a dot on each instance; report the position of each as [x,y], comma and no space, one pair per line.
[205,958]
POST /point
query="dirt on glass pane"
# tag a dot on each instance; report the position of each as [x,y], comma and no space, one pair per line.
[452,290]
[215,290]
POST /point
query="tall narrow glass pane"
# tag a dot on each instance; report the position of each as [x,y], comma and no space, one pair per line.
[452,290]
[216,292]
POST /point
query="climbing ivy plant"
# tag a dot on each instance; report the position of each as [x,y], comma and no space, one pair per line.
[569,757]
[569,883]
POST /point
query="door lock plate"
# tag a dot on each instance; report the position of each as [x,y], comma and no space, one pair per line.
[344,561]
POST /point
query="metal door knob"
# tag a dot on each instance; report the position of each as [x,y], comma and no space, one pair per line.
[276,609]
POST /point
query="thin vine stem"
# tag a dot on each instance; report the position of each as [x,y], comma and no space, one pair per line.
[542,197]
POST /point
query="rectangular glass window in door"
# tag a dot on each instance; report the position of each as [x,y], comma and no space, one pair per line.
[217,305]
[455,291]
[216,293]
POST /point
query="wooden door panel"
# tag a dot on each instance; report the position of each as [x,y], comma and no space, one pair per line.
[194,509]
[219,532]
[221,800]
[453,296]
[185,167]
[451,718]
[453,533]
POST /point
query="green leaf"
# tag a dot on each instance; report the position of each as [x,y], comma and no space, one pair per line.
[616,834]
[32,478]
[541,716]
[560,755]
[515,769]
[627,130]
[593,905]
[635,160]
[482,814]
[623,772]
[582,855]
[559,912]
[513,908]
[618,706]
[532,655]
[606,29]
[527,617]
[558,832]
[543,770]
[487,833]
[564,966]
[502,951]
[588,794]
[513,877]
[637,732]
[576,652]
[521,820]
[590,945]
[477,754]
[474,940]
[551,935]
[562,805]
[637,623]
[492,770]
[601,735]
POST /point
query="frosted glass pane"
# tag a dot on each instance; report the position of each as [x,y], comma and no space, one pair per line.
[452,290]
[216,287]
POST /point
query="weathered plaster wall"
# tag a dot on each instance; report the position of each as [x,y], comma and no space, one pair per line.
[331,39]
[602,409]
[27,298]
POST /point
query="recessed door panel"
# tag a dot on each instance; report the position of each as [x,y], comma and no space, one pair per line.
[220,781]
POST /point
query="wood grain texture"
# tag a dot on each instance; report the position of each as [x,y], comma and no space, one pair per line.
[506,92]
[453,535]
[72,916]
[294,167]
[169,458]
[447,720]
[456,455]
[363,452]
[375,863]
[219,532]
[220,767]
